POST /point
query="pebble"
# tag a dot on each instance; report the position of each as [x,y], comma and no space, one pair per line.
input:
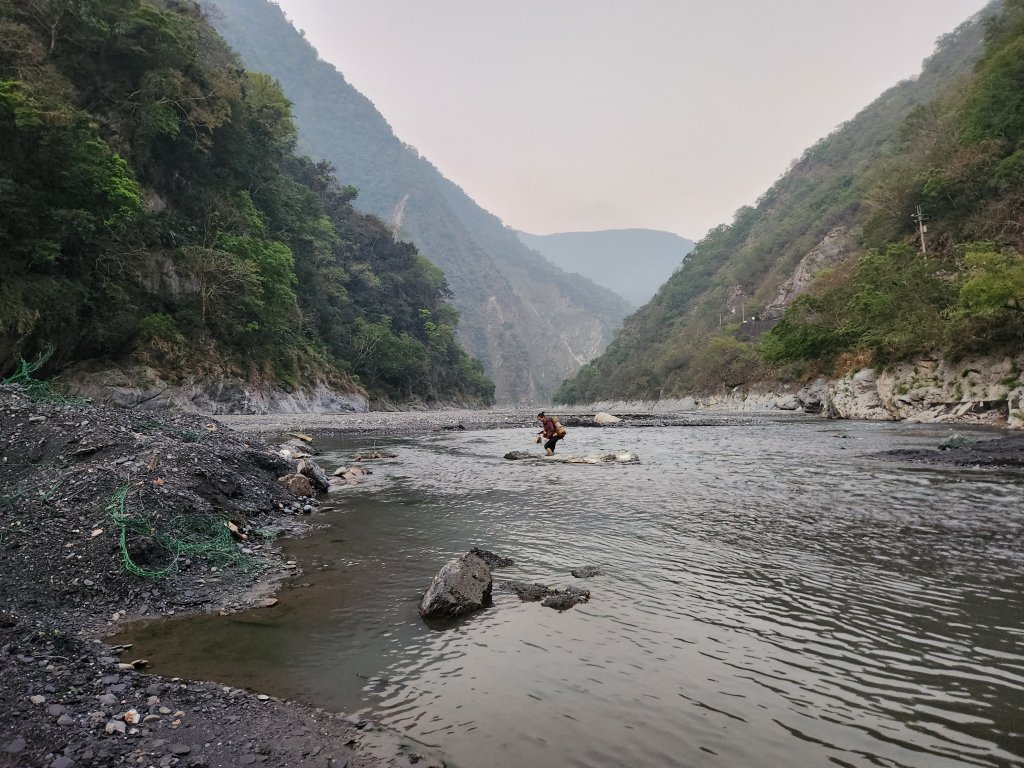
[107,699]
[16,746]
[65,720]
[55,710]
[179,749]
[37,699]
[116,726]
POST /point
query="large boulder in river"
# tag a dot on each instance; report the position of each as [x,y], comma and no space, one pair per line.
[317,477]
[606,418]
[463,585]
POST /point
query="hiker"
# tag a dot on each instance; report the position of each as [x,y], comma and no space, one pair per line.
[552,432]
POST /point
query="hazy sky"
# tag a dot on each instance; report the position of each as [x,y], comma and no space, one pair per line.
[566,115]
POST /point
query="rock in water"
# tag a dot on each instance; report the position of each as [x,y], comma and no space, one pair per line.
[606,418]
[528,593]
[317,477]
[463,585]
[492,560]
[514,455]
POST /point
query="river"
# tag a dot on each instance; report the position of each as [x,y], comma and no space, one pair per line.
[771,594]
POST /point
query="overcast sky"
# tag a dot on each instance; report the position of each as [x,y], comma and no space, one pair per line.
[569,115]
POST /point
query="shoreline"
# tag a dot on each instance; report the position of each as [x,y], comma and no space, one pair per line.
[67,699]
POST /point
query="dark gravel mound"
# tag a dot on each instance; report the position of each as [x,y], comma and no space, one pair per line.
[94,502]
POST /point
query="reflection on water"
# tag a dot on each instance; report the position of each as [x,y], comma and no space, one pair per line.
[771,596]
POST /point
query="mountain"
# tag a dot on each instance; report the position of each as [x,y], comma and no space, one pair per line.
[827,274]
[530,323]
[161,236]
[631,262]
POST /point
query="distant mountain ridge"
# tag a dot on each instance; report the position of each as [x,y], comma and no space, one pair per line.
[530,323]
[631,262]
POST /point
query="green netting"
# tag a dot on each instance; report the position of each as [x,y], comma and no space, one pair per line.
[37,390]
[198,536]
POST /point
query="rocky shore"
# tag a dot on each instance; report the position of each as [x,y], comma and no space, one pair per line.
[110,515]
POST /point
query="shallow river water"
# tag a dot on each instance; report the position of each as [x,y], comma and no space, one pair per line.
[772,595]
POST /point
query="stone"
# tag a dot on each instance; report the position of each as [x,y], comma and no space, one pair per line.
[15,747]
[463,585]
[116,726]
[528,593]
[63,762]
[586,572]
[297,485]
[492,560]
[317,477]
[605,418]
[177,748]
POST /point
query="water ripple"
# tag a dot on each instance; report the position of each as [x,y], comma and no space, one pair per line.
[771,595]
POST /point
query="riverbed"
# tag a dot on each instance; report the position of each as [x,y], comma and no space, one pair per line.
[772,593]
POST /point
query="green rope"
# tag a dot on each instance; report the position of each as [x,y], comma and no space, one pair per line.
[197,536]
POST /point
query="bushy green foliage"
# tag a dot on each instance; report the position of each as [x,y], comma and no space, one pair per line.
[154,209]
[995,283]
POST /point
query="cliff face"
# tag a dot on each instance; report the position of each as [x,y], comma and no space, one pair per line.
[531,324]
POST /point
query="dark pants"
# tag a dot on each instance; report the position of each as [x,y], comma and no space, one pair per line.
[550,444]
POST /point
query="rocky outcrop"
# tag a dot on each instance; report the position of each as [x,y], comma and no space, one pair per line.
[143,388]
[834,248]
[976,390]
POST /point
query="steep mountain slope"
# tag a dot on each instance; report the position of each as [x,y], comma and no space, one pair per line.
[530,323]
[830,252]
[158,226]
[633,263]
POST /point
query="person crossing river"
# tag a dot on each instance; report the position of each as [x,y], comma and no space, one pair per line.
[552,432]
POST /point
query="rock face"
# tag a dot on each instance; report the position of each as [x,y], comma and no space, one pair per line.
[462,586]
[142,388]
[975,390]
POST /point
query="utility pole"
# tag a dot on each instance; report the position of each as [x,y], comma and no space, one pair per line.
[920,218]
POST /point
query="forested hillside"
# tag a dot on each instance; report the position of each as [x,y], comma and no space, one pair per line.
[633,263]
[530,323]
[831,254]
[154,212]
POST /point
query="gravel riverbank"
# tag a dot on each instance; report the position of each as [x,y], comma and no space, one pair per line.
[108,516]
